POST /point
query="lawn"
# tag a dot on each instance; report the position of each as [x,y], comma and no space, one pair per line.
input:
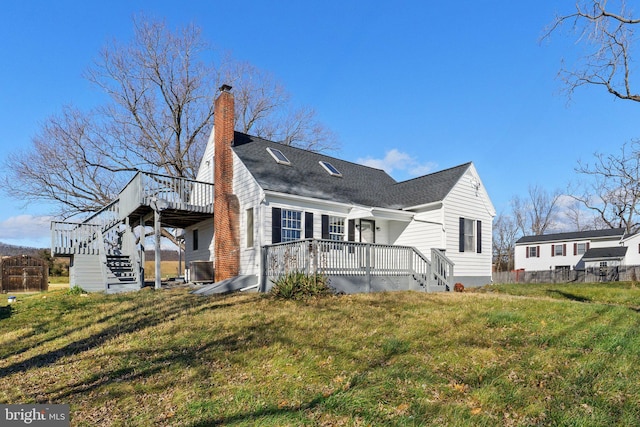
[506,355]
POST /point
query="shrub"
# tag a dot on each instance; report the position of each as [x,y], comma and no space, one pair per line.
[300,286]
[76,290]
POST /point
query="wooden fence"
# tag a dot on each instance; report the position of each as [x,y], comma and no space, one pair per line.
[23,274]
[596,274]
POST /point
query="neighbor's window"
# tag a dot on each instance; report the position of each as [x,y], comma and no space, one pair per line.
[581,248]
[558,250]
[533,251]
[336,228]
[291,225]
[249,228]
[195,239]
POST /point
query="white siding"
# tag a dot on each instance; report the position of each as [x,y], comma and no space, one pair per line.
[466,201]
[633,253]
[249,195]
[205,171]
[205,242]
[316,207]
[425,232]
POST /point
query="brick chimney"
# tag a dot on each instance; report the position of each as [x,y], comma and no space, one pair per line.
[226,208]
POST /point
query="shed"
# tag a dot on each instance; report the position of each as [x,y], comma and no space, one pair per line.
[23,273]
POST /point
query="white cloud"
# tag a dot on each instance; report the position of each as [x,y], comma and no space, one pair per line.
[26,230]
[397,161]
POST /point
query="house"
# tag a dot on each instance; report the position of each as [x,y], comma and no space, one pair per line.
[575,250]
[278,208]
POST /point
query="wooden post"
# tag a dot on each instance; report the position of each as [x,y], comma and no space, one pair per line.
[368,266]
[156,228]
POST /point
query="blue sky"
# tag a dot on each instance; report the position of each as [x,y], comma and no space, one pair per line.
[411,86]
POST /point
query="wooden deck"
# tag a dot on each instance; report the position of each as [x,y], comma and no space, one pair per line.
[181,202]
[364,264]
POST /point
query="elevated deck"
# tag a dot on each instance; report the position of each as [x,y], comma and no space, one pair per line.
[180,202]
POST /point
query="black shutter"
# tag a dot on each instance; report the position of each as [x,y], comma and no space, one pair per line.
[325,227]
[308,225]
[479,237]
[461,234]
[352,230]
[276,225]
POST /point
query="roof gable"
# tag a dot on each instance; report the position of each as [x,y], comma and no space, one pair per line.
[429,188]
[357,184]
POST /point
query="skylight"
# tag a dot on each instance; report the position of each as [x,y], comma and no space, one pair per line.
[330,168]
[278,156]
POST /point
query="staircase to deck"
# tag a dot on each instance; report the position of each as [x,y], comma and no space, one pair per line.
[105,249]
[121,274]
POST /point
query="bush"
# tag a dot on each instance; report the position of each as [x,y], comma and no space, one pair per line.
[76,290]
[301,286]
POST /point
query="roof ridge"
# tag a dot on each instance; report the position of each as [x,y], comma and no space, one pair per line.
[467,164]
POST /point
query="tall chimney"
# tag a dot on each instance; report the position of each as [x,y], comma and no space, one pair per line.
[226,207]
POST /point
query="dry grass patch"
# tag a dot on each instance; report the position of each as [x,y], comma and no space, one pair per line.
[170,358]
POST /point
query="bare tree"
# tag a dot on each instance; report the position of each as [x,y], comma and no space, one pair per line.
[159,113]
[612,187]
[606,31]
[538,213]
[505,234]
[577,217]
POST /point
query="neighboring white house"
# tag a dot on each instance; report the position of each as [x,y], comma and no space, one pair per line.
[577,250]
[285,194]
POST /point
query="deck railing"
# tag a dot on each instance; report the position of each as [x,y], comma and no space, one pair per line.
[144,189]
[71,238]
[174,193]
[340,258]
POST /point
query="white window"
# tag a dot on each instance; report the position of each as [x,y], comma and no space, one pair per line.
[533,251]
[469,235]
[581,248]
[291,225]
[249,228]
[336,228]
[558,250]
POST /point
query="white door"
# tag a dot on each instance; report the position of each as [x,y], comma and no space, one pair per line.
[367,231]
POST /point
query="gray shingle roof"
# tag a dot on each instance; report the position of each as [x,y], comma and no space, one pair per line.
[359,185]
[575,235]
[614,252]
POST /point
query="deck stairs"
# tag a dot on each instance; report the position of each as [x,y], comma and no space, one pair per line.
[106,249]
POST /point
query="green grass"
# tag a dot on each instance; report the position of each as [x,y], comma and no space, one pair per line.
[562,355]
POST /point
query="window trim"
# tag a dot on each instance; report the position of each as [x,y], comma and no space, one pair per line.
[331,170]
[286,222]
[250,228]
[474,246]
[278,156]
